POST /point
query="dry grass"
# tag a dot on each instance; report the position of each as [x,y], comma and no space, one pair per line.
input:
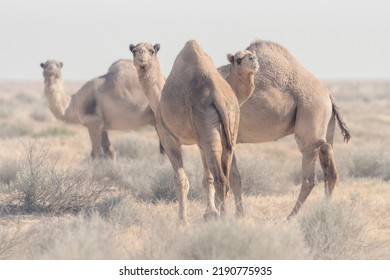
[55,203]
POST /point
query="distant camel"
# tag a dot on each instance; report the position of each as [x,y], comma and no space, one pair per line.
[112,101]
[195,105]
[288,99]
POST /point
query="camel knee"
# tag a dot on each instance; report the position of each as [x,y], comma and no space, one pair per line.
[181,182]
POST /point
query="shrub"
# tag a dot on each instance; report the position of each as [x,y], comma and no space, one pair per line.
[332,230]
[40,186]
[135,147]
[369,162]
[260,175]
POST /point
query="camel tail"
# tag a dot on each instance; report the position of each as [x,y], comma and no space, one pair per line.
[228,125]
[340,121]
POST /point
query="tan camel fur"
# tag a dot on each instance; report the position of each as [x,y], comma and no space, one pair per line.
[288,99]
[196,106]
[113,101]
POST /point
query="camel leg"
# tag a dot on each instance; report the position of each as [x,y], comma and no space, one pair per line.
[208,185]
[95,133]
[236,185]
[309,157]
[214,163]
[107,147]
[328,167]
[172,148]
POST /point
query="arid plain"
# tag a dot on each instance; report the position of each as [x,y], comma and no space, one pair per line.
[56,203]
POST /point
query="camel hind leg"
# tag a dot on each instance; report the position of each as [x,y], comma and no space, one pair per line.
[236,185]
[309,180]
[326,156]
[328,167]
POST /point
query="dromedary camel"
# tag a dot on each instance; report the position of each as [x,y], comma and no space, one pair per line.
[196,106]
[288,99]
[113,101]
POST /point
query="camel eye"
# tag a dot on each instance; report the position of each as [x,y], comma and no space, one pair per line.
[250,58]
[152,52]
[239,60]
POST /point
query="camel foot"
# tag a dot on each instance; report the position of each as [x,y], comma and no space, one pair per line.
[291,216]
[239,214]
[211,215]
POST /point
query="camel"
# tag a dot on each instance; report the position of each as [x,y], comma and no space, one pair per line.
[112,101]
[195,105]
[288,99]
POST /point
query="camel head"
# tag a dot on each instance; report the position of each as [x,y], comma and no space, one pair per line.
[243,62]
[243,67]
[51,70]
[145,55]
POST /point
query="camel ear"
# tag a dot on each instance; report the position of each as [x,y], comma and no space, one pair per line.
[43,65]
[230,58]
[156,47]
[132,47]
[61,64]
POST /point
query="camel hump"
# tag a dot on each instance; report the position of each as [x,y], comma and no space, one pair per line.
[193,68]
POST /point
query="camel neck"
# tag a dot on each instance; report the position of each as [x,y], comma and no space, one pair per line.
[152,82]
[242,85]
[57,99]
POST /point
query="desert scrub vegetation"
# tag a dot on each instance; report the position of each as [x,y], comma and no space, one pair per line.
[13,130]
[54,131]
[40,186]
[371,162]
[333,230]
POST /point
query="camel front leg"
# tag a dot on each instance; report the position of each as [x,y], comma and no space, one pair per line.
[172,148]
[107,147]
[95,134]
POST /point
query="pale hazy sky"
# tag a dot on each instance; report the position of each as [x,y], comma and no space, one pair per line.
[334,39]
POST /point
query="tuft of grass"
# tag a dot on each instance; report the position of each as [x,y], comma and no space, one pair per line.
[260,176]
[54,132]
[232,239]
[40,115]
[24,97]
[10,239]
[370,162]
[73,238]
[13,130]
[135,147]
[333,230]
[8,170]
[150,179]
[5,111]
